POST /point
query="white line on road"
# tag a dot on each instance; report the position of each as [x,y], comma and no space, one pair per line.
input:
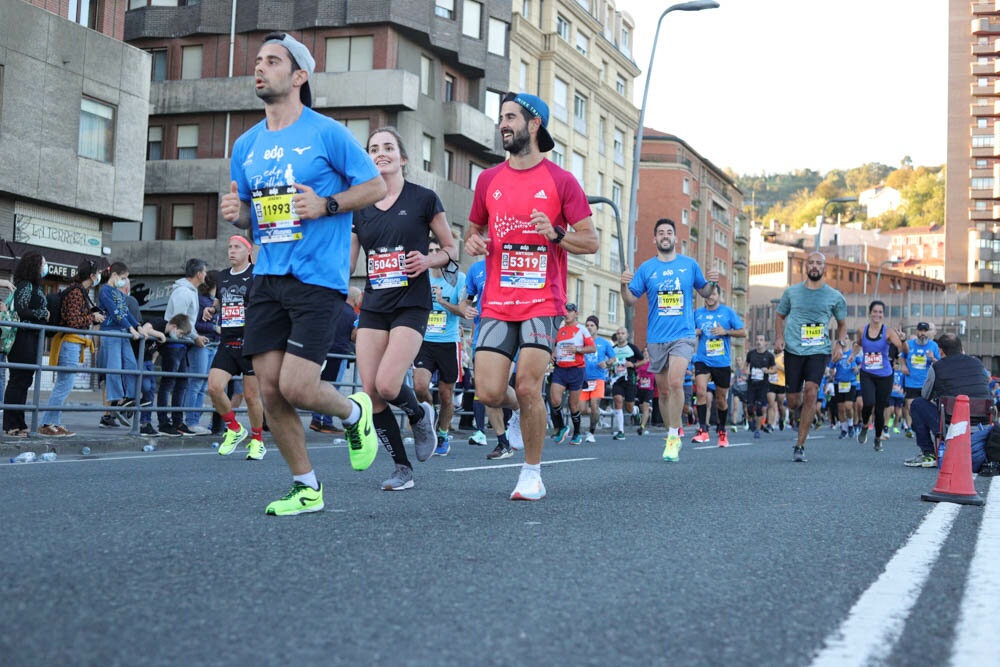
[975,634]
[876,621]
[518,465]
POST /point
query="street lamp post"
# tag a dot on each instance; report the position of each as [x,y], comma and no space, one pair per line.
[633,213]
[878,277]
[835,200]
[629,310]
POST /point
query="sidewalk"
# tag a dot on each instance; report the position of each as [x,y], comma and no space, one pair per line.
[99,440]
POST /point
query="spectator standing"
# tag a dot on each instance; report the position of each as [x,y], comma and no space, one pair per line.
[200,358]
[183,300]
[115,351]
[77,312]
[31,307]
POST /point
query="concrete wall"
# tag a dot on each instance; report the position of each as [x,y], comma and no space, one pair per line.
[49,64]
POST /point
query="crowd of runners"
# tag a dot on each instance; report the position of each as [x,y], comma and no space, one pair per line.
[314,200]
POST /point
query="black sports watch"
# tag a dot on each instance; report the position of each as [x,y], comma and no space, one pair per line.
[332,206]
[560,235]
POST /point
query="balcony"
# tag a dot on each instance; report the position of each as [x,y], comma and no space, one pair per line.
[980,8]
[739,289]
[468,127]
[389,90]
[984,276]
[987,254]
[739,262]
[988,215]
[986,49]
[982,26]
[986,69]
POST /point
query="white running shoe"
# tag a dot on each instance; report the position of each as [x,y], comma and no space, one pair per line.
[529,486]
[514,431]
[589,437]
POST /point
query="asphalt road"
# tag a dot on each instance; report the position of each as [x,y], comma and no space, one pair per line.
[733,556]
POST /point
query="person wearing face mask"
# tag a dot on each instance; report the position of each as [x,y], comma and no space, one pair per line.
[77,312]
[116,352]
[31,307]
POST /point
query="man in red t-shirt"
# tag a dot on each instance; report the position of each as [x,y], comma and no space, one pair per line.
[521,213]
[572,342]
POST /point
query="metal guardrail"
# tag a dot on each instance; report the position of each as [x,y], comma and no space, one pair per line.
[35,407]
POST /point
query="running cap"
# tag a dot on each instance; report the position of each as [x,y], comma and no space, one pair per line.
[571,306]
[539,109]
[301,57]
[923,326]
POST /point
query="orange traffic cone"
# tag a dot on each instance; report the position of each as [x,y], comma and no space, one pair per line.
[954,483]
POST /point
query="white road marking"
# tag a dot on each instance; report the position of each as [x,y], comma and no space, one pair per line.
[975,635]
[518,465]
[157,454]
[876,621]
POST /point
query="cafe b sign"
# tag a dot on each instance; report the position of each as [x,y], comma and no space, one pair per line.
[59,235]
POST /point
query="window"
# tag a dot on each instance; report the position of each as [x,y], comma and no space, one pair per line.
[444,8]
[449,88]
[982,164]
[619,146]
[83,12]
[578,294]
[191,62]
[158,72]
[426,150]
[685,217]
[602,131]
[981,205]
[584,3]
[472,18]
[982,140]
[559,153]
[522,78]
[187,142]
[578,168]
[983,82]
[97,130]
[562,27]
[614,259]
[612,306]
[449,159]
[600,183]
[620,85]
[560,97]
[350,54]
[580,113]
[982,183]
[596,292]
[687,186]
[625,43]
[474,171]
[526,8]
[182,222]
[154,143]
[496,41]
[582,42]
[425,75]
[493,105]
[616,194]
[604,70]
[360,128]
[981,123]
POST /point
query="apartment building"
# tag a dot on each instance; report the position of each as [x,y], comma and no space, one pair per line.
[73,107]
[678,183]
[972,208]
[577,56]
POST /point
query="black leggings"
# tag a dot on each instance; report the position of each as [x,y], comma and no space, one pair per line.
[875,390]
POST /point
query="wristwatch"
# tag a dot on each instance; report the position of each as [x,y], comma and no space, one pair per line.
[332,206]
[560,234]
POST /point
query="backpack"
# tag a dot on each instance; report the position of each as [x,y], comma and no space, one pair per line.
[54,300]
[7,334]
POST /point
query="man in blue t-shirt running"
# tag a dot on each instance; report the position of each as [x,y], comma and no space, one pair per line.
[296,175]
[669,281]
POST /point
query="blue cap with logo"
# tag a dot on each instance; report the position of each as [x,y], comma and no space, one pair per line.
[539,109]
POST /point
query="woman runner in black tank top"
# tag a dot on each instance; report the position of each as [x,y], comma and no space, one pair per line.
[393,234]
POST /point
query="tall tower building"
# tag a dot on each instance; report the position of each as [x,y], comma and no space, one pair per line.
[972,209]
[577,56]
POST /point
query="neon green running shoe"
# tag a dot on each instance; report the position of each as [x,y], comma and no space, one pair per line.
[256,450]
[300,500]
[672,449]
[231,440]
[362,443]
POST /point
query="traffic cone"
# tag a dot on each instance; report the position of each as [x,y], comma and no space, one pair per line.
[954,482]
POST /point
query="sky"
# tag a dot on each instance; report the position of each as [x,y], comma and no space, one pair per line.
[770,86]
